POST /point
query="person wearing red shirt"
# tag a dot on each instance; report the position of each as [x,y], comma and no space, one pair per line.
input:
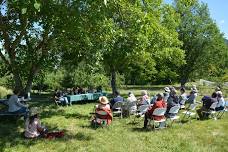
[160,103]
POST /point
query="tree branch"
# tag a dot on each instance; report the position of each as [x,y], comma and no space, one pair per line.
[4,59]
[22,33]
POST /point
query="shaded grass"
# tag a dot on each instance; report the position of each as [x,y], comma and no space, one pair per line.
[122,135]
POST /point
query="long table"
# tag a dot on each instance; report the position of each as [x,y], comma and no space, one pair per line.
[85,97]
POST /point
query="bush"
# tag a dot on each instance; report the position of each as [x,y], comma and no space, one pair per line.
[4,92]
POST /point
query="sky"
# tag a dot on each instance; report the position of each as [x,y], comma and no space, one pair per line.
[218,11]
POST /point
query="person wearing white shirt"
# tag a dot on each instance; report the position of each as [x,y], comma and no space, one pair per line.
[221,101]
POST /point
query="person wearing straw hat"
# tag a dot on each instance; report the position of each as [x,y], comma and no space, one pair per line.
[33,126]
[103,107]
[104,103]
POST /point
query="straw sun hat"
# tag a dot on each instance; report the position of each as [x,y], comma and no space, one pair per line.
[103,100]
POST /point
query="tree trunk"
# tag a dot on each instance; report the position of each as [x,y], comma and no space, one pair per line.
[113,80]
[183,80]
[17,80]
[33,72]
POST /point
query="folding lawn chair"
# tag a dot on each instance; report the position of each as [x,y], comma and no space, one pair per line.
[158,112]
[189,112]
[131,108]
[101,118]
[211,112]
[117,108]
[220,113]
[174,110]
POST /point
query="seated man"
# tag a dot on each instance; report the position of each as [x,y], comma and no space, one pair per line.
[117,98]
[207,102]
[172,101]
[160,103]
[15,106]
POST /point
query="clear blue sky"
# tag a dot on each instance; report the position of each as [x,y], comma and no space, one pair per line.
[219,12]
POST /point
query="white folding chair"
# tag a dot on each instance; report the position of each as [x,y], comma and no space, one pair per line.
[220,113]
[212,111]
[189,112]
[158,112]
[174,110]
[142,110]
[117,108]
[131,107]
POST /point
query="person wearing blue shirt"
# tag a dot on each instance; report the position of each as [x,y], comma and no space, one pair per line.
[117,98]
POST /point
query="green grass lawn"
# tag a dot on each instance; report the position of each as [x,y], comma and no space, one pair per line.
[122,135]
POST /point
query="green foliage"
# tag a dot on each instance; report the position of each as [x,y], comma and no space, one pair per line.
[4,92]
[204,45]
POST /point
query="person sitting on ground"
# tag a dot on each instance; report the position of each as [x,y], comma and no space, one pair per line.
[144,99]
[117,98]
[172,101]
[221,101]
[103,106]
[207,102]
[160,103]
[182,97]
[33,128]
[15,106]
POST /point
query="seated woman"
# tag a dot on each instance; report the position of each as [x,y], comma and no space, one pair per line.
[130,104]
[15,106]
[33,128]
[103,106]
[160,103]
[182,97]
[192,96]
[221,101]
[144,100]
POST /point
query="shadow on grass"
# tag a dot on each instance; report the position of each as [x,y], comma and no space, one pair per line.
[76,115]
[11,135]
[138,129]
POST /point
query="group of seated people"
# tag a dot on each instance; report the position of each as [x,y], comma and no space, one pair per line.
[167,100]
[60,95]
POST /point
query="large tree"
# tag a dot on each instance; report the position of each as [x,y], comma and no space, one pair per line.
[203,43]
[29,33]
